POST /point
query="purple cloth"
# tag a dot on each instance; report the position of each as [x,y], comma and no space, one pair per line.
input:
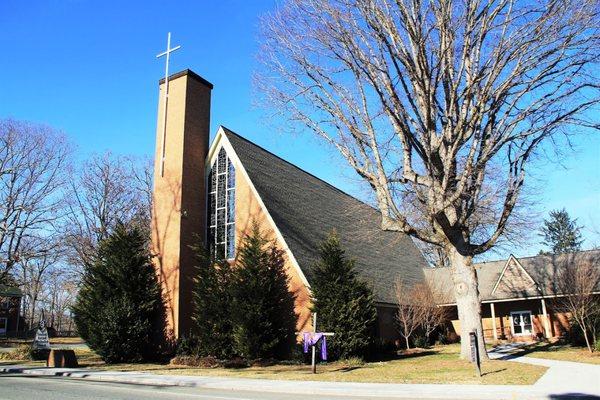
[311,339]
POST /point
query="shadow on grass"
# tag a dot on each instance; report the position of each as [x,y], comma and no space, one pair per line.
[422,353]
[545,347]
[527,349]
[542,347]
[493,372]
[404,355]
[345,369]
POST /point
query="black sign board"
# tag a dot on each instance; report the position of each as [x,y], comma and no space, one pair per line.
[475,352]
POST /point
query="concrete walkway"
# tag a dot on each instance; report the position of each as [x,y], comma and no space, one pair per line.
[561,377]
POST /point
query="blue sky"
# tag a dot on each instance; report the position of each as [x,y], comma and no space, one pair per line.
[89,69]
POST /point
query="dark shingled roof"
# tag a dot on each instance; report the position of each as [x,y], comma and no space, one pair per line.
[306,209]
[544,270]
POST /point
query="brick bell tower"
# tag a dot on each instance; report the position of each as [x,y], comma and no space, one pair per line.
[179,194]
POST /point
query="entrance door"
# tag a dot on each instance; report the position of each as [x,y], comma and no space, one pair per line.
[521,323]
[3,326]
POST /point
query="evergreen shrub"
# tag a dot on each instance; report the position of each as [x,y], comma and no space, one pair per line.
[118,308]
[344,303]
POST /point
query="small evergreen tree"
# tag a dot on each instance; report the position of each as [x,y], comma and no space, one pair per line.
[118,306]
[561,233]
[212,301]
[344,304]
[263,308]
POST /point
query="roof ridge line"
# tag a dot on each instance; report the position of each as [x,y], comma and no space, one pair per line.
[537,255]
[297,167]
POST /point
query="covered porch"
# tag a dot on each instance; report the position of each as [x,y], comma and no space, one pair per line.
[519,320]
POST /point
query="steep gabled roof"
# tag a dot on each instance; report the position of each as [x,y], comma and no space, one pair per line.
[518,278]
[513,279]
[306,208]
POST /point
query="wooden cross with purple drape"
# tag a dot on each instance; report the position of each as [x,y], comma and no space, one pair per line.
[314,346]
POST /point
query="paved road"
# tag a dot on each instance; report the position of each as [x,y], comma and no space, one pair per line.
[13,387]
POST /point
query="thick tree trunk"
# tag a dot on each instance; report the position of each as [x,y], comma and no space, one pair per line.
[468,303]
[407,343]
[32,312]
[587,342]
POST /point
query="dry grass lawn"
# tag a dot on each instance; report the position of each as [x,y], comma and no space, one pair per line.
[437,365]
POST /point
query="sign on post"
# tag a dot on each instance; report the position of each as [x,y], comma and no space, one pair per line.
[475,358]
[41,337]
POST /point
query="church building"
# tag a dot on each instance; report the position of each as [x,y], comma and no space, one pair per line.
[214,192]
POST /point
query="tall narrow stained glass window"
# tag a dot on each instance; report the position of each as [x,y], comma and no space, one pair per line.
[221,207]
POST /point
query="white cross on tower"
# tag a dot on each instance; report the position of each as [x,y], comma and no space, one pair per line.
[164,138]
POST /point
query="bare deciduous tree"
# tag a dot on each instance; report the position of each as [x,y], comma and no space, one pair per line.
[31,273]
[427,99]
[105,190]
[408,315]
[33,160]
[580,282]
[59,296]
[418,309]
[433,315]
[47,282]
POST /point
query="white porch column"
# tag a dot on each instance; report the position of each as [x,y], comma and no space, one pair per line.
[546,320]
[494,330]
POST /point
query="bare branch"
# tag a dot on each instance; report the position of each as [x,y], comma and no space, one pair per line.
[33,159]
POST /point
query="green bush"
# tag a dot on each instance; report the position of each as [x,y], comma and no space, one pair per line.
[574,335]
[213,308]
[383,348]
[420,341]
[39,354]
[263,317]
[118,308]
[242,312]
[188,346]
[344,304]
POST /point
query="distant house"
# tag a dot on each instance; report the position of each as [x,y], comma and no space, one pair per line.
[10,309]
[519,295]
